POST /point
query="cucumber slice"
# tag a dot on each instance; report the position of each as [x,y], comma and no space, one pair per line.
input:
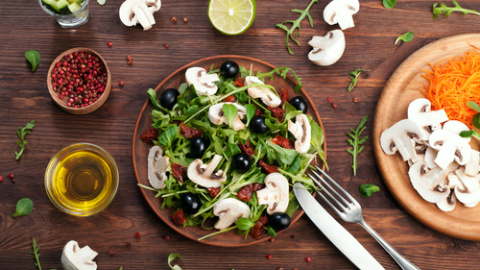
[62,7]
[51,4]
[75,1]
[74,7]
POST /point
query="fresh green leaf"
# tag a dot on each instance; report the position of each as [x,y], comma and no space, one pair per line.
[284,157]
[36,254]
[441,8]
[101,2]
[355,142]
[476,120]
[152,95]
[251,110]
[405,38]
[232,149]
[317,139]
[354,77]
[294,31]
[230,112]
[171,257]
[469,133]
[244,224]
[389,3]
[366,190]
[474,106]
[33,57]
[167,137]
[272,232]
[21,133]
[24,207]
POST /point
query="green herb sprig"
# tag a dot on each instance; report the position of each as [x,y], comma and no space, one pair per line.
[356,142]
[171,257]
[389,3]
[441,8]
[294,30]
[33,57]
[354,78]
[21,133]
[405,38]
[366,190]
[24,207]
[475,121]
[36,254]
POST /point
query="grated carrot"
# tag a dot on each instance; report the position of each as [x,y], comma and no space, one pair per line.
[453,84]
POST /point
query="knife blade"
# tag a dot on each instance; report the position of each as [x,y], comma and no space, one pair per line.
[335,232]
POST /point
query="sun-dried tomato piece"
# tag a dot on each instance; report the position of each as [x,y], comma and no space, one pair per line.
[278,113]
[257,231]
[189,132]
[178,217]
[230,98]
[178,172]
[245,193]
[258,112]
[149,135]
[257,186]
[239,82]
[283,142]
[267,168]
[283,95]
[213,191]
[247,148]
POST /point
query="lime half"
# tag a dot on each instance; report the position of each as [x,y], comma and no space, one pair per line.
[231,17]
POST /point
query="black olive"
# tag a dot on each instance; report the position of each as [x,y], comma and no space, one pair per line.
[168,98]
[257,124]
[190,203]
[229,69]
[279,221]
[299,103]
[198,147]
[241,162]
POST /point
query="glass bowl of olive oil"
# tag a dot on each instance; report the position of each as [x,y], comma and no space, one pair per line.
[81,179]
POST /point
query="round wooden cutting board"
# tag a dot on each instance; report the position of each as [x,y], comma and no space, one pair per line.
[404,86]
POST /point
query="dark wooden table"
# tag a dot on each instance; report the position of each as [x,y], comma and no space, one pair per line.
[24,96]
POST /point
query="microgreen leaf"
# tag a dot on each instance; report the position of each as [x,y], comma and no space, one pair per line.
[244,224]
[354,77]
[230,112]
[469,133]
[21,133]
[389,3]
[251,110]
[473,105]
[167,137]
[441,8]
[317,139]
[405,38]
[476,120]
[24,207]
[294,31]
[355,142]
[33,57]
[152,95]
[366,190]
[271,231]
[171,257]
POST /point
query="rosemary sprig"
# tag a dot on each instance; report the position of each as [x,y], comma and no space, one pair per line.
[356,142]
[36,254]
[294,30]
[444,9]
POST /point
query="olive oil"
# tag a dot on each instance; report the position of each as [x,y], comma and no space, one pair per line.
[82,181]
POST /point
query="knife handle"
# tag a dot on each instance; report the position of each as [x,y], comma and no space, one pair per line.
[401,261]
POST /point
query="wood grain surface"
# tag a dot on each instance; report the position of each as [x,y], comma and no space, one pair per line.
[24,96]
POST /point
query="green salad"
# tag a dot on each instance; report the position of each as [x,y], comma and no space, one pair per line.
[227,148]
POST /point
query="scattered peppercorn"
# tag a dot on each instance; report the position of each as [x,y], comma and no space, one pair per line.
[308,259]
[120,83]
[271,240]
[109,44]
[110,252]
[11,176]
[137,235]
[280,268]
[13,180]
[128,244]
[1,179]
[174,19]
[269,256]
[355,100]
[334,105]
[129,60]
[330,99]
[185,19]
[166,238]
[165,45]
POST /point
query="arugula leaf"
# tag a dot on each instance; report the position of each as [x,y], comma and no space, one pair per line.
[24,207]
[167,137]
[231,150]
[444,9]
[389,3]
[21,133]
[366,190]
[230,112]
[356,141]
[36,254]
[354,77]
[294,31]
[405,38]
[317,139]
[33,57]
[171,257]
[282,71]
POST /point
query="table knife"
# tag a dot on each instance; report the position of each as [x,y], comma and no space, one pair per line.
[335,232]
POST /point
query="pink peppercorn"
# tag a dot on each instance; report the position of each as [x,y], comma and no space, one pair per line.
[1,179]
[11,176]
[269,256]
[109,44]
[334,105]
[137,235]
[308,259]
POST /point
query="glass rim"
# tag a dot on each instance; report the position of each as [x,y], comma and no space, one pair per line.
[53,13]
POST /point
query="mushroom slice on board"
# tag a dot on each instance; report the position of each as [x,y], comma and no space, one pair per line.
[139,11]
[229,210]
[203,82]
[203,174]
[265,94]
[327,50]
[450,145]
[301,130]
[217,116]
[449,203]
[424,182]
[341,12]
[473,165]
[401,137]
[469,192]
[76,258]
[275,194]
[157,167]
[419,111]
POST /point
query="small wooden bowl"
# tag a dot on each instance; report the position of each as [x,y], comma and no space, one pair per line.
[62,103]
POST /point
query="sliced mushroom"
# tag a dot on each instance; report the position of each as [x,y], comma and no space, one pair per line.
[419,111]
[203,82]
[401,137]
[473,165]
[275,193]
[426,182]
[327,50]
[139,11]
[449,203]
[450,145]
[301,130]
[429,157]
[469,192]
[203,174]
[229,210]
[76,258]
[265,94]
[157,167]
[341,12]
[217,117]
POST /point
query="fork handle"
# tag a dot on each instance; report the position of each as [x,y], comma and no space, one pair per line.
[401,261]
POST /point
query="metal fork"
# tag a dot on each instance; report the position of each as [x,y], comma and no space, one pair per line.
[351,211]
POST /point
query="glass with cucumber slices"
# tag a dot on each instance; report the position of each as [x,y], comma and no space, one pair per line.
[68,13]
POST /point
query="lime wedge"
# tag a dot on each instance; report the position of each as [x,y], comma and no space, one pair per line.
[231,17]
